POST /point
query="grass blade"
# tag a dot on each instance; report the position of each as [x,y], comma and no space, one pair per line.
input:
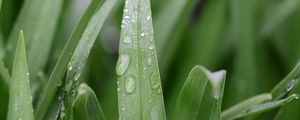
[0,5]
[86,106]
[4,74]
[20,100]
[81,54]
[4,90]
[139,85]
[287,84]
[191,94]
[38,19]
[245,105]
[58,73]
[256,109]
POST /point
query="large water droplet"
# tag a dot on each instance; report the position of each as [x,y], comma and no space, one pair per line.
[129,84]
[127,39]
[154,81]
[122,64]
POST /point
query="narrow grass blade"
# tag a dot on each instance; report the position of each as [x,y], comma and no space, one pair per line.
[287,84]
[169,25]
[38,19]
[139,86]
[278,15]
[58,73]
[4,74]
[81,54]
[2,50]
[20,99]
[86,106]
[191,94]
[245,105]
[257,109]
[0,5]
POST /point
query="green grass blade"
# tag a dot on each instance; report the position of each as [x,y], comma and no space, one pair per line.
[20,99]
[38,19]
[139,85]
[4,74]
[278,15]
[257,109]
[0,5]
[169,24]
[245,105]
[191,94]
[86,106]
[2,50]
[287,84]
[81,54]
[58,73]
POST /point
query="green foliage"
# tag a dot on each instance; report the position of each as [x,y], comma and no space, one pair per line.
[83,53]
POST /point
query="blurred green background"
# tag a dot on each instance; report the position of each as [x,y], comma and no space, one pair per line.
[256,41]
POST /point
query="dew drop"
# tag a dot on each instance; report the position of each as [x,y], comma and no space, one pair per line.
[127,39]
[297,96]
[27,74]
[126,17]
[154,81]
[122,64]
[142,34]
[118,89]
[291,85]
[151,46]
[126,10]
[129,84]
[123,109]
[148,17]
[70,68]
[149,61]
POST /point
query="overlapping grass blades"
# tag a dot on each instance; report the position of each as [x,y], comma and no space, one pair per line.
[86,106]
[20,99]
[58,73]
[139,87]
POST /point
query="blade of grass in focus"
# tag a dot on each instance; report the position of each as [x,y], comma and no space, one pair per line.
[38,19]
[82,51]
[58,73]
[20,99]
[257,109]
[86,106]
[191,94]
[139,86]
[169,24]
[4,90]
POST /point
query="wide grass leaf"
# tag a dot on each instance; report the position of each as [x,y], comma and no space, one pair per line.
[86,106]
[20,99]
[58,73]
[81,54]
[190,99]
[260,108]
[139,86]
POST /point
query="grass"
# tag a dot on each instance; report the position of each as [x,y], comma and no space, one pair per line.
[149,60]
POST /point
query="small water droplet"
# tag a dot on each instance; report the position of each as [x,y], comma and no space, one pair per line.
[123,108]
[118,89]
[81,91]
[126,17]
[130,84]
[151,46]
[148,17]
[291,85]
[142,34]
[70,68]
[27,74]
[149,61]
[127,39]
[154,81]
[122,64]
[296,96]
[126,10]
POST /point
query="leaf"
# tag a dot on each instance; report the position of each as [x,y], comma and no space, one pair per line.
[191,95]
[257,109]
[287,84]
[4,74]
[169,24]
[86,106]
[139,86]
[20,99]
[278,15]
[38,19]
[79,58]
[58,73]
[4,90]
[245,105]
[0,5]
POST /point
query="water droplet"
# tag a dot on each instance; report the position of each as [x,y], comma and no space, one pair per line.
[129,84]
[126,17]
[126,10]
[142,34]
[148,17]
[123,108]
[154,81]
[81,91]
[151,46]
[27,74]
[122,64]
[70,68]
[118,89]
[127,39]
[291,85]
[149,61]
